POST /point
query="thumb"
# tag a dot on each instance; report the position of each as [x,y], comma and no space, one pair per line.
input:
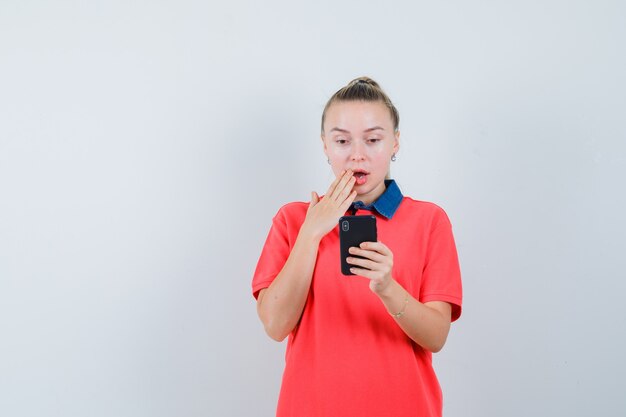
[314,198]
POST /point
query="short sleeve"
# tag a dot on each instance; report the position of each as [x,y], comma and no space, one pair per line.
[273,256]
[441,278]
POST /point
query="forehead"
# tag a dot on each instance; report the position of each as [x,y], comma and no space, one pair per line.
[358,115]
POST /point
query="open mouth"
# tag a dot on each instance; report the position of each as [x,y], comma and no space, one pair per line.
[361,176]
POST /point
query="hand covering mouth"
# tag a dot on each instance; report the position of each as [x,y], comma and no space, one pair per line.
[360,175]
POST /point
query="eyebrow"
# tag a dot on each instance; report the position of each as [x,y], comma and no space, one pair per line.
[374,128]
[336,129]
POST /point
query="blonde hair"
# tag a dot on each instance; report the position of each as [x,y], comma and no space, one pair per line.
[363,89]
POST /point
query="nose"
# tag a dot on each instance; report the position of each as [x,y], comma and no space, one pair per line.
[357,152]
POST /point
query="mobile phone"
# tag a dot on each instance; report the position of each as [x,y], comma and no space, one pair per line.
[354,230]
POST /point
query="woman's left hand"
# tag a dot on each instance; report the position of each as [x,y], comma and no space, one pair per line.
[376,266]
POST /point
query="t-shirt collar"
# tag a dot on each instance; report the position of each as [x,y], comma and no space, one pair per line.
[387,204]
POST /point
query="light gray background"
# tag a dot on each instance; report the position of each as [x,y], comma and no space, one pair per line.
[146,145]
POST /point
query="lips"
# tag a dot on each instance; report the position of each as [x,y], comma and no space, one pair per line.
[361,176]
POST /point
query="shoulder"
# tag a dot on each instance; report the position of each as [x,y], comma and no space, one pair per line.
[425,211]
[295,208]
[291,213]
[286,223]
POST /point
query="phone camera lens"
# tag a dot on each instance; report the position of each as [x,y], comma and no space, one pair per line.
[345,225]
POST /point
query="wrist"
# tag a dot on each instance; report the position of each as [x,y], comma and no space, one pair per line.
[396,314]
[309,235]
[385,292]
[395,298]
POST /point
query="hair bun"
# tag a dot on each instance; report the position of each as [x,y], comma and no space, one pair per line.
[363,89]
[365,80]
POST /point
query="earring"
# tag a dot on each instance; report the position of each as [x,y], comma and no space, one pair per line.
[393,158]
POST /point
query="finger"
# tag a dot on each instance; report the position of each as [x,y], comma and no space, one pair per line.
[373,276]
[314,199]
[343,207]
[362,263]
[333,185]
[365,273]
[338,185]
[369,254]
[347,190]
[346,195]
[346,180]
[379,247]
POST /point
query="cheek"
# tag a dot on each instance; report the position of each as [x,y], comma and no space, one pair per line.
[338,154]
[381,159]
[337,164]
[337,160]
[379,154]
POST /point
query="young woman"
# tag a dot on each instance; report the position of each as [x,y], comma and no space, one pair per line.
[359,345]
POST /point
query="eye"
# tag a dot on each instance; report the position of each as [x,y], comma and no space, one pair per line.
[341,141]
[373,140]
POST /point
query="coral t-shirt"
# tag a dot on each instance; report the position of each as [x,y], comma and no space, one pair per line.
[348,356]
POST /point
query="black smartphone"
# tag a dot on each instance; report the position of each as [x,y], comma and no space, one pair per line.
[354,230]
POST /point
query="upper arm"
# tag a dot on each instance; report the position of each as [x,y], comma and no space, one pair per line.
[273,256]
[259,298]
[443,308]
[441,276]
[441,326]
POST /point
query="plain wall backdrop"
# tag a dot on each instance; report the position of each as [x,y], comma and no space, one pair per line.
[146,145]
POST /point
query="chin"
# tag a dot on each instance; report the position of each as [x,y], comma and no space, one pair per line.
[363,190]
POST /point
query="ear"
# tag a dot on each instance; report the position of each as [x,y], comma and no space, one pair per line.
[324,145]
[396,143]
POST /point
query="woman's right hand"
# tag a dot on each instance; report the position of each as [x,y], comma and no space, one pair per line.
[322,215]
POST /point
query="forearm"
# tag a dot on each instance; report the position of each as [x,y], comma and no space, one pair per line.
[281,304]
[427,326]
